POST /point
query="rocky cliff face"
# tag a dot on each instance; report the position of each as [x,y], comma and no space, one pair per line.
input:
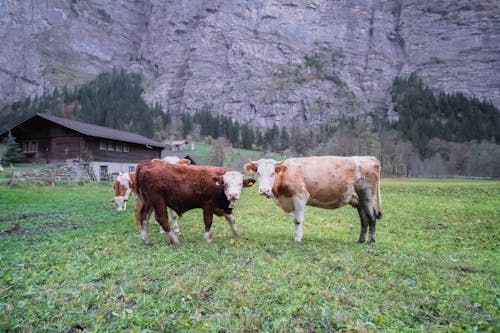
[291,62]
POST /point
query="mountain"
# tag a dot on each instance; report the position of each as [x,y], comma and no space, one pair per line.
[261,62]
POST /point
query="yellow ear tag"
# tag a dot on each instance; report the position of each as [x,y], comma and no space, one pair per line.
[280,173]
[217,183]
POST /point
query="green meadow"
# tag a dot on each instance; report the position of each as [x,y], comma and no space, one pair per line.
[69,262]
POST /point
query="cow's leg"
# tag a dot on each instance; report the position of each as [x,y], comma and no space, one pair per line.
[161,229]
[162,218]
[175,221]
[231,220]
[372,220]
[207,219]
[365,211]
[143,216]
[364,223]
[298,216]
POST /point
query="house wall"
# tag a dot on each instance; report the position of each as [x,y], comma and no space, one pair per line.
[64,144]
[103,170]
[34,130]
[60,144]
[135,153]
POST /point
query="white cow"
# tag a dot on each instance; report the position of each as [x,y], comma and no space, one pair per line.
[322,181]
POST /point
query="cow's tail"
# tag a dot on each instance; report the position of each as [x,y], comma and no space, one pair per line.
[139,191]
[379,201]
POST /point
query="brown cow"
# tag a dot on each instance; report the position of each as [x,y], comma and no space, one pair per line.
[182,188]
[124,185]
[322,181]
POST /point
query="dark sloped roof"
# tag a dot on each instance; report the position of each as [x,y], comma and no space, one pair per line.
[100,131]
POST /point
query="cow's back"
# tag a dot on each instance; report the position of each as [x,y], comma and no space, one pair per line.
[327,180]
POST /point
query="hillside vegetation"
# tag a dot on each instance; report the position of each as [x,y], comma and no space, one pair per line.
[435,135]
[424,115]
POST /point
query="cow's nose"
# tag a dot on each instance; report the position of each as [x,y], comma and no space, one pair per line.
[234,196]
[264,191]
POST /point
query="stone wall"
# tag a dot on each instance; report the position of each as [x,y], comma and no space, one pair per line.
[54,172]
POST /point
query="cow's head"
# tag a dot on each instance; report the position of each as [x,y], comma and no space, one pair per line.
[233,182]
[266,170]
[120,201]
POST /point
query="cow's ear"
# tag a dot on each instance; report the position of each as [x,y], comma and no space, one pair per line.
[250,168]
[184,161]
[280,169]
[218,181]
[248,182]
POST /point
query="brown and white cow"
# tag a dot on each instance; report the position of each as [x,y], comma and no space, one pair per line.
[182,188]
[123,186]
[322,181]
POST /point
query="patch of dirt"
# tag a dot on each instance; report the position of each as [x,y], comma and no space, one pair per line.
[34,228]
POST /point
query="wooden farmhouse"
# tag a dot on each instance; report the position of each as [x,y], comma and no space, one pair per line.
[44,138]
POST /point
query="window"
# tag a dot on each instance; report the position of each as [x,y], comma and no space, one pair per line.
[102,145]
[125,148]
[111,146]
[119,147]
[103,172]
[30,146]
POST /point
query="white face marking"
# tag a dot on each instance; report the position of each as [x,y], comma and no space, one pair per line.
[233,183]
[121,203]
[171,159]
[123,179]
[265,175]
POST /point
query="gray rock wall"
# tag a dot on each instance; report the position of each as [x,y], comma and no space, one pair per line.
[289,62]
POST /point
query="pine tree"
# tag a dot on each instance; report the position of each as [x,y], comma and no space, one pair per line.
[284,139]
[12,149]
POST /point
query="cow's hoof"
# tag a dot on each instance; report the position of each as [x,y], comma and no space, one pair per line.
[208,237]
[172,238]
[147,243]
[361,241]
[371,241]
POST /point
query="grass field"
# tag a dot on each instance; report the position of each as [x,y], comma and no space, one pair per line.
[69,261]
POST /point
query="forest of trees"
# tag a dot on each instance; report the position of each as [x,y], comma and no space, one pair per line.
[436,135]
[113,100]
[424,116]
